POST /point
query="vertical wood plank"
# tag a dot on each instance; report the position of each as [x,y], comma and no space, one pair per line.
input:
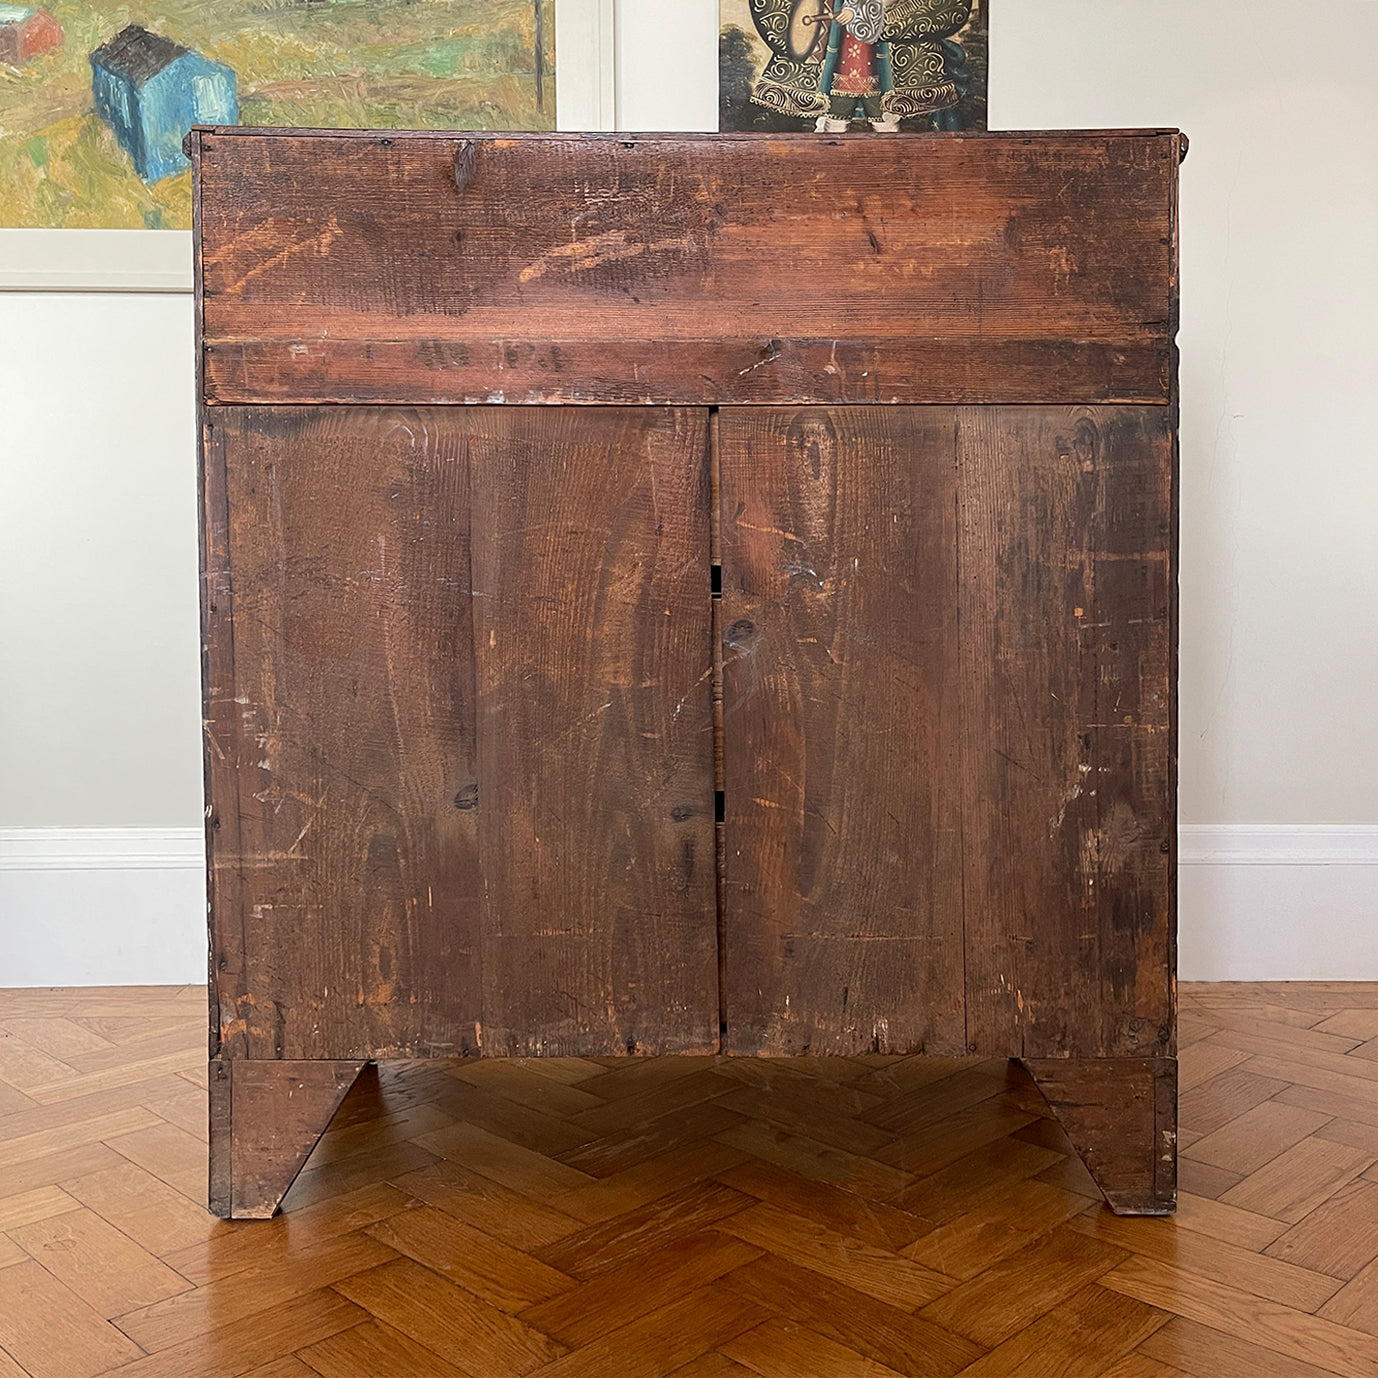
[592,614]
[842,896]
[1068,812]
[340,720]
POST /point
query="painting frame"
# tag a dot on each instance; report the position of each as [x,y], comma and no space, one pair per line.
[161,260]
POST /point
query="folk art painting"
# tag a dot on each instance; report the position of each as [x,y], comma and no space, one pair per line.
[834,65]
[96,97]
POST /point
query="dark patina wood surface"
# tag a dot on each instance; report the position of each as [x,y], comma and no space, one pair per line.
[906,405]
[1069,809]
[460,732]
[842,900]
[947,721]
[359,267]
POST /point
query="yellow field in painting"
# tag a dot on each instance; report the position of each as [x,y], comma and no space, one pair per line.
[359,64]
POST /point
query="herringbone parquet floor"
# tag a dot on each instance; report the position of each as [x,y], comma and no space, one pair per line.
[826,1219]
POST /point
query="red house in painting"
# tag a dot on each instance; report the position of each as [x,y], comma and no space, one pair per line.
[25,32]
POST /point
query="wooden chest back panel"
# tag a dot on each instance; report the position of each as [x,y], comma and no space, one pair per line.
[425,268]
[592,595]
[340,708]
[947,728]
[1068,729]
[842,897]
[459,658]
[460,731]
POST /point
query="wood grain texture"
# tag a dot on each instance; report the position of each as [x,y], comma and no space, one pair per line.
[349,266]
[1069,813]
[657,1254]
[948,707]
[842,902]
[460,732]
[592,614]
[266,1116]
[340,736]
[1121,1117]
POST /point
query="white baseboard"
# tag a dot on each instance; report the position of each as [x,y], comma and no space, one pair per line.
[126,906]
[1263,902]
[102,906]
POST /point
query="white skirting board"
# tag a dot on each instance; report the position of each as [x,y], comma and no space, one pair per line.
[1275,902]
[102,906]
[126,906]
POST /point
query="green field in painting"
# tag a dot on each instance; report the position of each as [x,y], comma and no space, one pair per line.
[360,64]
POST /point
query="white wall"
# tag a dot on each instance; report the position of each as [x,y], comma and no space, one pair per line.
[99,659]
[98,698]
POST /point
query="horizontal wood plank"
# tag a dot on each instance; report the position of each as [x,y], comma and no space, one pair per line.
[407,268]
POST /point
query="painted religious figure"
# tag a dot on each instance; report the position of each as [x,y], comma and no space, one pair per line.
[843,62]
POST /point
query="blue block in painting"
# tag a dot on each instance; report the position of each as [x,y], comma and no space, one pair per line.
[150,91]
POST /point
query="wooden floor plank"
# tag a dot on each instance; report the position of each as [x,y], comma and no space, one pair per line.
[785,1349]
[375,1350]
[289,1366]
[643,1284]
[1226,1223]
[105,1268]
[1202,1352]
[144,1207]
[45,1144]
[995,1229]
[509,1164]
[1203,1060]
[846,1212]
[1256,1137]
[682,1166]
[983,1173]
[39,1204]
[1311,1339]
[488,1205]
[598,1248]
[233,1347]
[713,1365]
[1139,1365]
[1360,1025]
[1192,1254]
[1290,1186]
[663,1340]
[1339,1237]
[1016,1291]
[59,1038]
[448,1320]
[1214,1103]
[1356,1303]
[887,1276]
[50,1332]
[226,1249]
[1087,1333]
[253,1291]
[821,1162]
[888,1334]
[25,1067]
[504,1276]
[170,1154]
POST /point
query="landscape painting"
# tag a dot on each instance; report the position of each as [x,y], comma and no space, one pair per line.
[838,65]
[95,97]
